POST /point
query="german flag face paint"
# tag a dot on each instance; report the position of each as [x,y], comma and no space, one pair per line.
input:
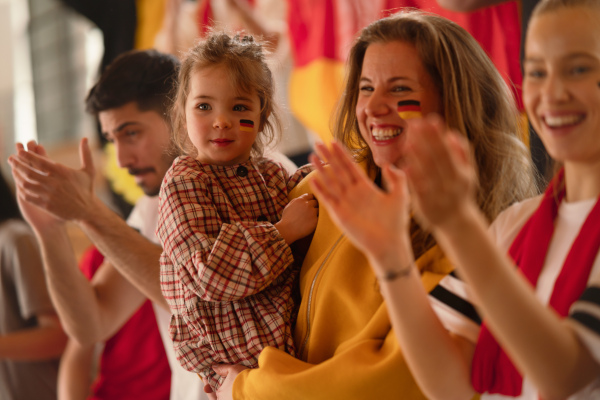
[246,125]
[408,109]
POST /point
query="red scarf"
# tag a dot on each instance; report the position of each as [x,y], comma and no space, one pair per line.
[492,370]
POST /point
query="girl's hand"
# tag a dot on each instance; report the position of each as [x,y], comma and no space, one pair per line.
[299,218]
[375,221]
[230,372]
[441,179]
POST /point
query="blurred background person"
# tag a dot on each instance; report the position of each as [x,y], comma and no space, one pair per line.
[31,337]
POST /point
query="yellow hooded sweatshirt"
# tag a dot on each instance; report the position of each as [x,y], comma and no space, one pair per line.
[345,343]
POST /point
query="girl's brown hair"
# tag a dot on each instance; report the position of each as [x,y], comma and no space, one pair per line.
[475,99]
[245,62]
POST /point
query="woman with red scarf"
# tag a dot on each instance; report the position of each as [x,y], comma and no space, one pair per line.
[540,337]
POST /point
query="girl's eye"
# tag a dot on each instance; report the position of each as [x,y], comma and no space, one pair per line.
[204,106]
[240,107]
[366,88]
[131,133]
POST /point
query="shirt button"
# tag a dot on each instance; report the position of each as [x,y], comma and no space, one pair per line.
[262,218]
[242,171]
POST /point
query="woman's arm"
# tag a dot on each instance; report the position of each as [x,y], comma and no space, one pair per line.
[378,223]
[442,183]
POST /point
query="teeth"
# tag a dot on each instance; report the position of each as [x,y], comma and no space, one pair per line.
[385,133]
[555,122]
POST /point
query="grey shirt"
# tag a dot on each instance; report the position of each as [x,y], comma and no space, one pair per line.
[23,295]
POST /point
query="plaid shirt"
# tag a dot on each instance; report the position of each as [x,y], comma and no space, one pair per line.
[224,267]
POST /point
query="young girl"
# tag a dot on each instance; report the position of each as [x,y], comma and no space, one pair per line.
[224,219]
[528,347]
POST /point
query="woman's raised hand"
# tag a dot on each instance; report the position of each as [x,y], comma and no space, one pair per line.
[376,221]
[440,176]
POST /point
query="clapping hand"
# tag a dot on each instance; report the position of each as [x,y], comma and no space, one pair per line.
[376,221]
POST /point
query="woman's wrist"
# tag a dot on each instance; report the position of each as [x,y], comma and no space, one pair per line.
[461,217]
[394,262]
[397,273]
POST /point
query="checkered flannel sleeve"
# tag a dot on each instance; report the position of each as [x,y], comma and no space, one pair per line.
[300,174]
[213,260]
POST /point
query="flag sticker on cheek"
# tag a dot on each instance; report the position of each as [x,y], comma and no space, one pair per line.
[408,109]
[246,125]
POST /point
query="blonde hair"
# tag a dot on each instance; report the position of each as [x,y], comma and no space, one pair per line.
[245,62]
[475,99]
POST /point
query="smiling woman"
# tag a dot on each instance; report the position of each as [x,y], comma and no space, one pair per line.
[534,275]
[561,84]
[392,72]
[400,66]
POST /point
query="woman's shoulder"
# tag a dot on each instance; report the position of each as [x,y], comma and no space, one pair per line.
[521,209]
[509,222]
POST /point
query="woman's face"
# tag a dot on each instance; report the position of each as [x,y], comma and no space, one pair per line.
[561,84]
[392,73]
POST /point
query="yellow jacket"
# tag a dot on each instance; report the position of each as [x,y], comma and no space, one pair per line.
[345,343]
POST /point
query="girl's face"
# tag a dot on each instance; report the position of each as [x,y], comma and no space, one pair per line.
[392,79]
[561,84]
[221,121]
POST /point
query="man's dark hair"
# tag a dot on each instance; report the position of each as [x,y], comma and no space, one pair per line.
[145,77]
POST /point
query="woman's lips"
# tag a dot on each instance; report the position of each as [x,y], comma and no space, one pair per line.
[385,133]
[561,121]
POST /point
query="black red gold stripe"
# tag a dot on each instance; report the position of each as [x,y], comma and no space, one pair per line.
[246,125]
[408,109]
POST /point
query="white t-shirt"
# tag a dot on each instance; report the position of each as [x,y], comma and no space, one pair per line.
[185,385]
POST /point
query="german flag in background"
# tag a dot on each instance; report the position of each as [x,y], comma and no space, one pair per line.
[322,32]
